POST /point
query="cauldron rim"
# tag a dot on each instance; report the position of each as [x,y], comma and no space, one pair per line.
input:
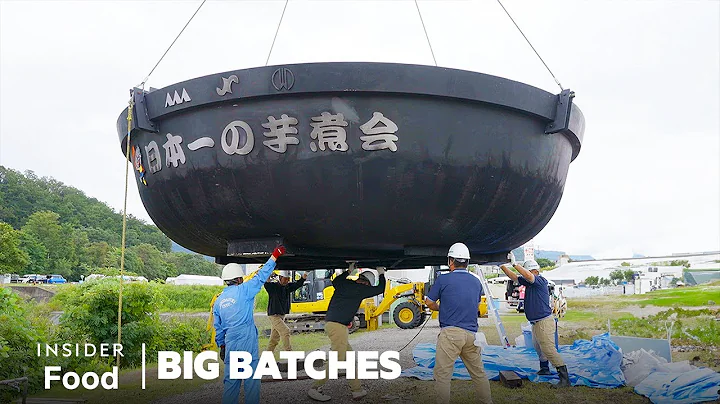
[358,78]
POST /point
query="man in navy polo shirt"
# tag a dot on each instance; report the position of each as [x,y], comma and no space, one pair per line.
[539,314]
[459,293]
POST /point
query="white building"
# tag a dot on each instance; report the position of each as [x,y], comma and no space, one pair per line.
[195,280]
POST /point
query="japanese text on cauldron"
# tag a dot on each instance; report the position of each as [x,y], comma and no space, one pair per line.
[328,134]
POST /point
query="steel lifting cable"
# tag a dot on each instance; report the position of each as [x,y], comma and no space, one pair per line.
[142,84]
[426,33]
[531,45]
[276,33]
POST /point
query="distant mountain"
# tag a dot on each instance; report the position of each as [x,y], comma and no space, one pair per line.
[635,255]
[175,247]
[551,255]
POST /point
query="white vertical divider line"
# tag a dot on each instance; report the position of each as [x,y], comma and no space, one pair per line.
[143,366]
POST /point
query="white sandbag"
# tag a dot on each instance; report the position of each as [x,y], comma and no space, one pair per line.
[639,364]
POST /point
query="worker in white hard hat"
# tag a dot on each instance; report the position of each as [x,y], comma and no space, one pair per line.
[459,293]
[235,327]
[539,313]
[343,306]
[279,305]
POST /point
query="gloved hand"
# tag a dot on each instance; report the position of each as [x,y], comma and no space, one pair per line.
[511,257]
[305,275]
[278,251]
[380,270]
[222,353]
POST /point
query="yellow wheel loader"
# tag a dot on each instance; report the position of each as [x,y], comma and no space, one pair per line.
[310,303]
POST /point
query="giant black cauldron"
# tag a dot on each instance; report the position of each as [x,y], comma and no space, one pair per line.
[385,164]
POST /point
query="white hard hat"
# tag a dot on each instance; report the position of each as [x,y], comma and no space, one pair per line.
[232,271]
[286,274]
[369,275]
[530,265]
[459,250]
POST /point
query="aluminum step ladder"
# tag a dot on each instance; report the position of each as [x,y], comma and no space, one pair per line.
[492,310]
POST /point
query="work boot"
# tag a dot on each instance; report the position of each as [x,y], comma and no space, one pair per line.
[564,377]
[544,369]
[316,394]
[359,394]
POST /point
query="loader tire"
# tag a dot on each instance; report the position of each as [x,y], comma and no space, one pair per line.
[407,315]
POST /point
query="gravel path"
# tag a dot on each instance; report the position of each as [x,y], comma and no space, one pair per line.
[388,339]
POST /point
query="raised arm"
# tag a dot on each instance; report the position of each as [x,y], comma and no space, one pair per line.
[525,273]
[340,279]
[509,273]
[264,273]
[298,283]
[376,290]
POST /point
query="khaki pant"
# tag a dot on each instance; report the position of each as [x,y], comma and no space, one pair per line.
[338,334]
[453,342]
[280,331]
[543,337]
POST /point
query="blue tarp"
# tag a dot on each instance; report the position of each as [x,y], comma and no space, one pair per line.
[701,384]
[593,363]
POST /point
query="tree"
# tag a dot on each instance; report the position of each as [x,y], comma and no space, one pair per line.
[133,263]
[629,275]
[154,267]
[545,263]
[12,258]
[192,264]
[36,251]
[98,255]
[617,276]
[591,280]
[45,226]
[625,264]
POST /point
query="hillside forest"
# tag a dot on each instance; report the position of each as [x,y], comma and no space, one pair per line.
[47,227]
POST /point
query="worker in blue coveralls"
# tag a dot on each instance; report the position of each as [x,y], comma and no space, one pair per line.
[235,326]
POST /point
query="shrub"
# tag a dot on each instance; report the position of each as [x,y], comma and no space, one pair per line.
[184,334]
[20,332]
[92,315]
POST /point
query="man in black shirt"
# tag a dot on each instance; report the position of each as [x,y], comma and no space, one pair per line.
[278,306]
[343,306]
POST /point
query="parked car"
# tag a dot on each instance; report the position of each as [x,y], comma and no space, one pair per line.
[14,278]
[56,279]
[35,278]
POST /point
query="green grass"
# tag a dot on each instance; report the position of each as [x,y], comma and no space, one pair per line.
[187,297]
[686,296]
[693,296]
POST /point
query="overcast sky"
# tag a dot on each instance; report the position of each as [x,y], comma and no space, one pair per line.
[646,74]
